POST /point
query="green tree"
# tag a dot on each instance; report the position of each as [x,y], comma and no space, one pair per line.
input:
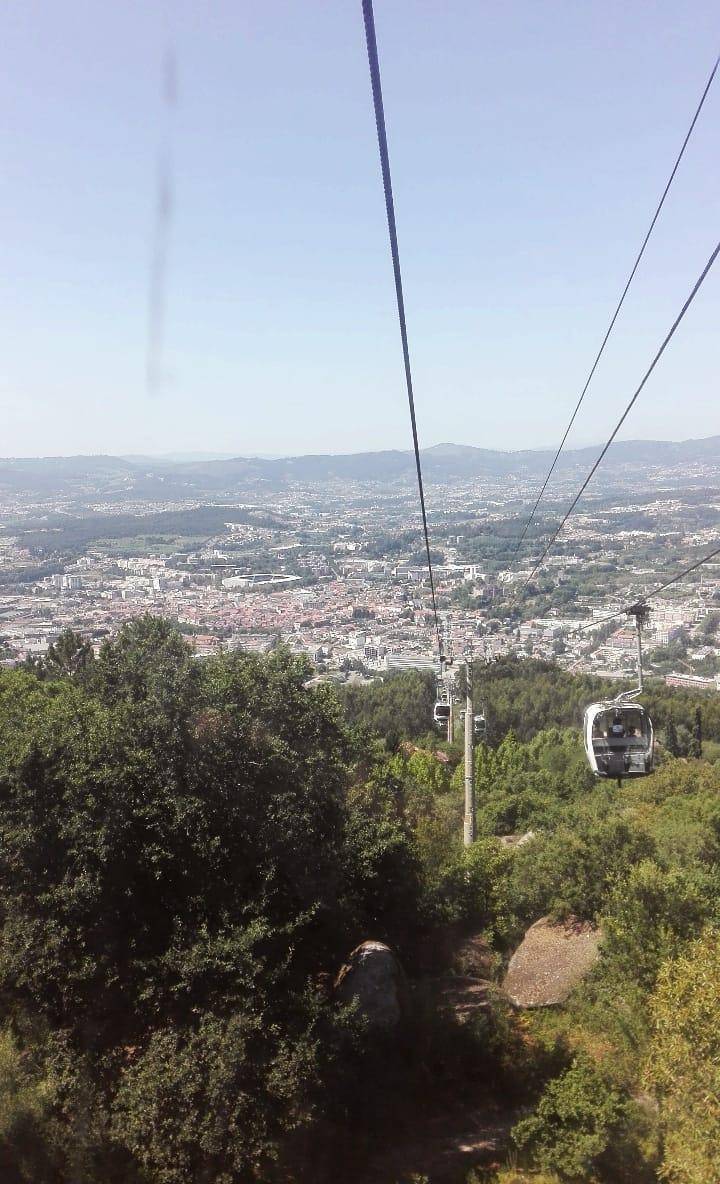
[650,915]
[671,738]
[571,871]
[218,1100]
[71,656]
[26,1098]
[473,887]
[150,666]
[575,1122]
[685,740]
[181,843]
[400,707]
[695,747]
[183,847]
[684,1062]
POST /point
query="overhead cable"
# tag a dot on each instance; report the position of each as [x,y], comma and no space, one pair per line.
[656,591]
[620,303]
[668,337]
[392,229]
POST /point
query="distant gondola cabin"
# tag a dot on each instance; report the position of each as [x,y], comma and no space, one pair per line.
[441,714]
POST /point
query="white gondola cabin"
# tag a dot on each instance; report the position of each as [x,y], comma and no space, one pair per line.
[442,711]
[479,726]
[619,739]
[441,714]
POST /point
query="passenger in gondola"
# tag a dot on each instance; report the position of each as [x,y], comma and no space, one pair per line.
[618,741]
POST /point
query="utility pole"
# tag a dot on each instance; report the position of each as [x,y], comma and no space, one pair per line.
[640,612]
[638,629]
[449,684]
[469,828]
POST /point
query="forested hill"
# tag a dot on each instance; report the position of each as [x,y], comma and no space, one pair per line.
[155,477]
[189,850]
[524,696]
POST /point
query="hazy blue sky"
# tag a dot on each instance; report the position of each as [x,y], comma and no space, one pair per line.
[529,143]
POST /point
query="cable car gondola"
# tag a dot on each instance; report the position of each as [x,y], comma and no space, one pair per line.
[441,714]
[442,709]
[618,733]
[619,739]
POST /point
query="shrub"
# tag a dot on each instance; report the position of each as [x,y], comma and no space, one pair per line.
[572,870]
[26,1097]
[215,1103]
[473,887]
[575,1120]
[651,914]
[684,1062]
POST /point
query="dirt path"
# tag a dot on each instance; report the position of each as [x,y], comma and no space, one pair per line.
[464,995]
[444,1148]
[448,1136]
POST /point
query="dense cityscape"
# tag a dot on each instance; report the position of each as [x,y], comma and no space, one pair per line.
[336,569]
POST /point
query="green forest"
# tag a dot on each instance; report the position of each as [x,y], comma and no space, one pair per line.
[70,535]
[190,849]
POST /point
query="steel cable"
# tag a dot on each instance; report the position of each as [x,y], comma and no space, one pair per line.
[655,592]
[392,229]
[621,301]
[668,337]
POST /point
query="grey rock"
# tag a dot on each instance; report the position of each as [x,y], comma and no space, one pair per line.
[374,978]
[552,959]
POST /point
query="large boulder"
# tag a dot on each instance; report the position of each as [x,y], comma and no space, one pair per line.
[374,979]
[553,957]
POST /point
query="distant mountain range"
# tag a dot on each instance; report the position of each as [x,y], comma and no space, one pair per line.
[173,478]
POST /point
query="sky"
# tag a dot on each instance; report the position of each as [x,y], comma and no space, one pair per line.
[529,143]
